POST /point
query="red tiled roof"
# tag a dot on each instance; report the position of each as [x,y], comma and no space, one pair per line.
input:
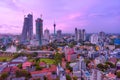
[49,77]
[8,69]
[67,71]
[45,70]
[42,63]
[110,75]
[27,64]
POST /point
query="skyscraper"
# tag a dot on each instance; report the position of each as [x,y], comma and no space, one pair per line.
[39,30]
[54,29]
[59,33]
[83,35]
[46,34]
[27,32]
[80,34]
[102,35]
[24,31]
[76,34]
[30,24]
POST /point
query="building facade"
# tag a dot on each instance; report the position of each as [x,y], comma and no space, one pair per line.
[39,30]
[76,34]
[27,32]
[94,39]
[59,33]
[46,34]
[80,34]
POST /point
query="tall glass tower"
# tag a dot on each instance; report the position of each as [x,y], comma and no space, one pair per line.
[27,32]
[39,30]
[30,25]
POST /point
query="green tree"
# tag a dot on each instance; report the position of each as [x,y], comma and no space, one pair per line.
[58,58]
[38,67]
[20,66]
[103,67]
[118,74]
[70,45]
[87,61]
[15,55]
[75,78]
[69,67]
[4,75]
[37,59]
[4,48]
[4,60]
[45,78]
[35,54]
[23,73]
[38,79]
[57,78]
[111,64]
[19,54]
[100,66]
[68,77]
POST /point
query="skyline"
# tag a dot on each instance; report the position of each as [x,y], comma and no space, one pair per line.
[92,15]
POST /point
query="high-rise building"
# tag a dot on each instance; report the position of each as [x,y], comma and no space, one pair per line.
[82,65]
[54,29]
[94,39]
[59,33]
[80,34]
[24,31]
[76,34]
[96,75]
[39,30]
[27,32]
[46,34]
[102,38]
[61,72]
[30,24]
[83,35]
[102,35]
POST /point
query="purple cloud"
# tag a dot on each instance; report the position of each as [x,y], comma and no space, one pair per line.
[93,15]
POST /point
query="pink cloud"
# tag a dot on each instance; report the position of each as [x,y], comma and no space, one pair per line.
[75,15]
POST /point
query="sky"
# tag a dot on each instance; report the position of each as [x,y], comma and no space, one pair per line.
[92,15]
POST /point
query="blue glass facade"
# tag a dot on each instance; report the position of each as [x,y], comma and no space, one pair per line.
[27,32]
[39,30]
[117,41]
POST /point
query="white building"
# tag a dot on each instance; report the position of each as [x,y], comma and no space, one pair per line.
[59,33]
[46,34]
[82,65]
[11,49]
[81,34]
[46,38]
[96,75]
[61,73]
[34,42]
[19,59]
[78,67]
[94,39]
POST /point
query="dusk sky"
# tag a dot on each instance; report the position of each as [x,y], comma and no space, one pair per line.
[92,15]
